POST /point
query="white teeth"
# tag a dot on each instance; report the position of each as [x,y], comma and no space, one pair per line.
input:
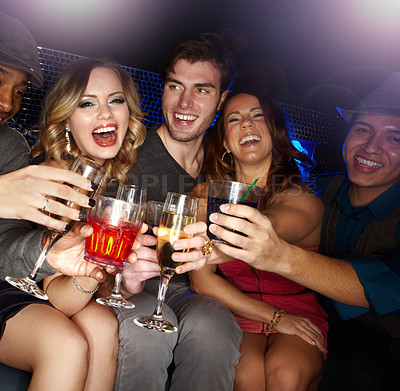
[368,163]
[183,117]
[249,138]
[105,130]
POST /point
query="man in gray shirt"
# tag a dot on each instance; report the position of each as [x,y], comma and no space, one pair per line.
[206,347]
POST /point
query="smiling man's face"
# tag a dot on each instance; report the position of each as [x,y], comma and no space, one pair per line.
[191,97]
[372,151]
[13,85]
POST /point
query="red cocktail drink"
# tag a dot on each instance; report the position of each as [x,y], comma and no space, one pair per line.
[110,245]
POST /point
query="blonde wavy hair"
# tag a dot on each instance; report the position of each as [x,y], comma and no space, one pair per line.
[64,98]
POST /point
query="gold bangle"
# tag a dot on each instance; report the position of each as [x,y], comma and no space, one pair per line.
[278,314]
[80,289]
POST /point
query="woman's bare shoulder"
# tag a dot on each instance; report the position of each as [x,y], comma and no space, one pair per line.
[301,197]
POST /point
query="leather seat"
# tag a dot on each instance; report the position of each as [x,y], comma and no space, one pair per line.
[13,379]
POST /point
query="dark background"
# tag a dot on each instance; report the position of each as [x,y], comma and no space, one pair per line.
[316,54]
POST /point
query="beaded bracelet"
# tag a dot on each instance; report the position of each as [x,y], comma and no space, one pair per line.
[275,319]
[80,289]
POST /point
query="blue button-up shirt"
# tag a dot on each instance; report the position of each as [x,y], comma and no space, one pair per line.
[380,278]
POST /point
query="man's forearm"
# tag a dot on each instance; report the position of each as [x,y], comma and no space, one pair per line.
[334,278]
[134,289]
[20,246]
[106,287]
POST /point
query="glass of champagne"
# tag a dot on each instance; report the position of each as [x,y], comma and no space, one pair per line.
[116,224]
[88,169]
[179,211]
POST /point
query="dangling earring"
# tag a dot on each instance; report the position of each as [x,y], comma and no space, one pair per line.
[230,157]
[68,147]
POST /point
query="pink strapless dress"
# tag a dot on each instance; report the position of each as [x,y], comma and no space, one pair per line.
[275,290]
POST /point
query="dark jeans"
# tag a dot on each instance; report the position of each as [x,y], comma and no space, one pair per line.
[360,359]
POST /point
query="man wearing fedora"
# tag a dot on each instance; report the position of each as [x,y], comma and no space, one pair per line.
[358,265]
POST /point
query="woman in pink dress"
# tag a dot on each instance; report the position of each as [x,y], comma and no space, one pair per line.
[284,327]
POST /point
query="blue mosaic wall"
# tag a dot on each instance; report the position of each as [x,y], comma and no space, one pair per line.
[320,135]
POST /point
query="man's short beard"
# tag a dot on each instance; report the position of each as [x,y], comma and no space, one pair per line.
[191,136]
[185,138]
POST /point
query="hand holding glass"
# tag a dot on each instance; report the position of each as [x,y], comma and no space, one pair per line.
[179,211]
[88,169]
[228,192]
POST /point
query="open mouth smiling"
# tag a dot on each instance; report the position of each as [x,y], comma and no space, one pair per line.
[368,163]
[185,117]
[105,135]
[249,139]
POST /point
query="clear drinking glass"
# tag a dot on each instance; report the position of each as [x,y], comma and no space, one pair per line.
[116,224]
[229,192]
[88,169]
[153,214]
[179,211]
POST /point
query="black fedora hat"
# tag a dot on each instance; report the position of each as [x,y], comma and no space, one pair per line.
[384,100]
[18,49]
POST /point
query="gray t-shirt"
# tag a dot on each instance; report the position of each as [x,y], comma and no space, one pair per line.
[14,150]
[157,170]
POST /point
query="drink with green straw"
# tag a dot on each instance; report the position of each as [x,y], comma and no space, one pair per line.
[229,192]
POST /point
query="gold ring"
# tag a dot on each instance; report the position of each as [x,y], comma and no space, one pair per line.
[44,207]
[208,247]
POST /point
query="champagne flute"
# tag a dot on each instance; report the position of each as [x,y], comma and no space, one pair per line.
[88,169]
[179,211]
[116,224]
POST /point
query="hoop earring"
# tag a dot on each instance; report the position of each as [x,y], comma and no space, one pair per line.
[68,147]
[230,157]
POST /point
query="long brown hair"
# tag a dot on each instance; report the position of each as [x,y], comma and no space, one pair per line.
[64,98]
[284,171]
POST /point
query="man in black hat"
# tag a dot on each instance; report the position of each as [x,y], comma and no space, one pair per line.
[24,190]
[360,240]
[22,194]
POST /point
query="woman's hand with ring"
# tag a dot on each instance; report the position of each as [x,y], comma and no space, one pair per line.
[28,192]
[193,258]
[208,247]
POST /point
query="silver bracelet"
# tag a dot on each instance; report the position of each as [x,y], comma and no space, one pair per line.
[80,289]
